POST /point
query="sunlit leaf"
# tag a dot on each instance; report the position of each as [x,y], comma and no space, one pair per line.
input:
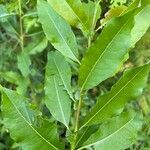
[57,31]
[127,88]
[117,133]
[20,120]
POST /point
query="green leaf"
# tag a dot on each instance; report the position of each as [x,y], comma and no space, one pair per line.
[15,78]
[114,12]
[20,120]
[107,52]
[142,23]
[117,133]
[57,31]
[83,135]
[133,5]
[10,76]
[39,47]
[57,87]
[145,2]
[24,63]
[127,88]
[6,21]
[93,12]
[72,11]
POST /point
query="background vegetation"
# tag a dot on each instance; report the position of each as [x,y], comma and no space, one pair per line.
[25,71]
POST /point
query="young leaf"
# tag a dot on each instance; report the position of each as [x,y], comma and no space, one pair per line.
[114,12]
[57,87]
[107,52]
[19,119]
[24,63]
[72,11]
[93,11]
[133,5]
[57,31]
[118,133]
[127,88]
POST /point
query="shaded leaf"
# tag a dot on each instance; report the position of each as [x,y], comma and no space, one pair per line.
[24,63]
[6,21]
[39,47]
[83,135]
[15,78]
[57,87]
[10,76]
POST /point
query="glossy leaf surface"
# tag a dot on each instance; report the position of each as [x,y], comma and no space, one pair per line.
[127,88]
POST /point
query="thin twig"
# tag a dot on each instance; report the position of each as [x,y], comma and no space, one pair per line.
[78,114]
[77,122]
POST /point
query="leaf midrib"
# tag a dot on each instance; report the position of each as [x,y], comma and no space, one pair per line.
[82,23]
[30,125]
[101,55]
[59,103]
[109,136]
[81,137]
[62,37]
[62,79]
[110,99]
[106,49]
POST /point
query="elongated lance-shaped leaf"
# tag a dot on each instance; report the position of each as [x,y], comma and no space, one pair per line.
[107,52]
[127,88]
[93,11]
[109,49]
[117,133]
[57,87]
[142,23]
[20,120]
[72,11]
[57,30]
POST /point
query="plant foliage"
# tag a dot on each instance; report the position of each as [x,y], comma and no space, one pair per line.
[54,92]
